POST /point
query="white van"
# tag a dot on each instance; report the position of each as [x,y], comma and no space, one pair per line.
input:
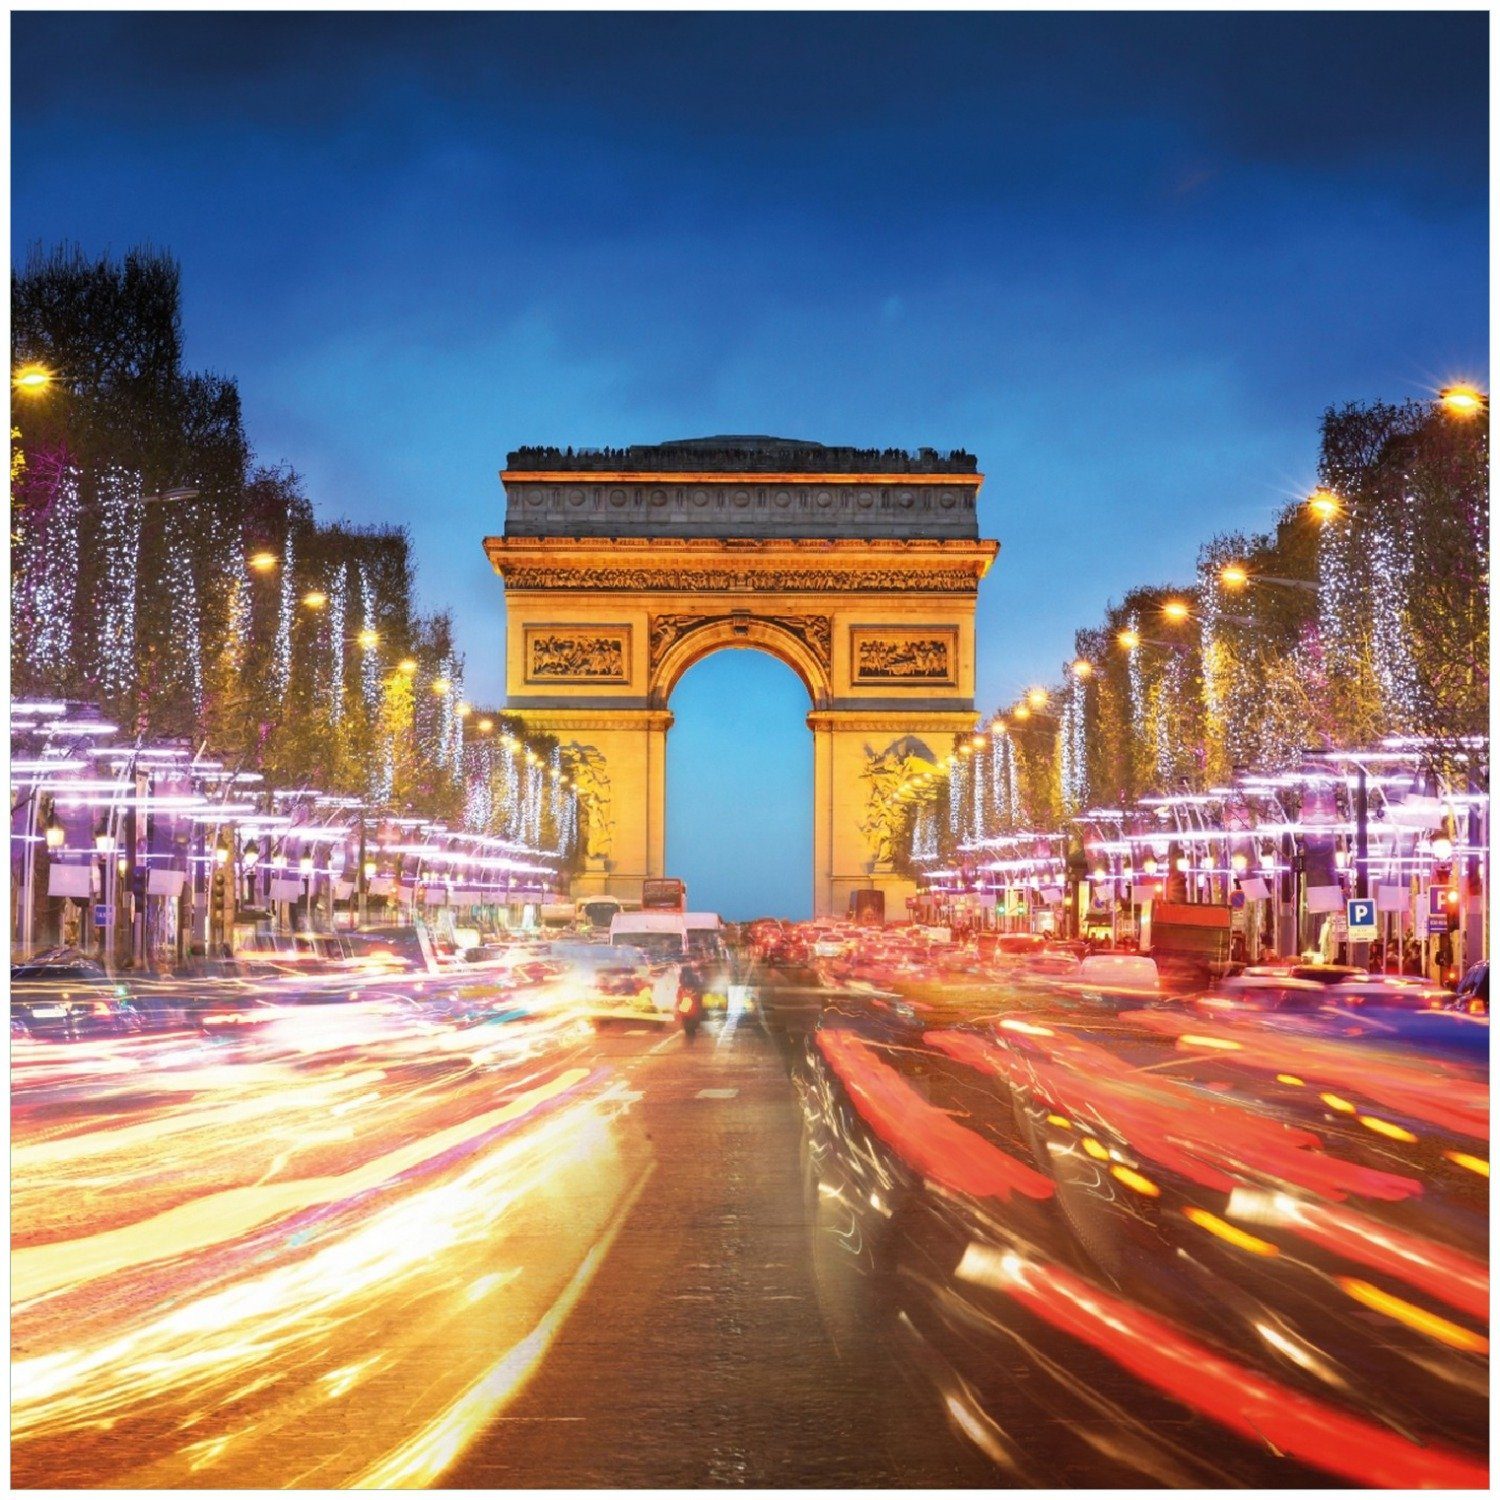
[660,935]
[703,935]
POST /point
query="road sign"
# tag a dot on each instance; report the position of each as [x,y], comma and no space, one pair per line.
[1439,908]
[1236,900]
[1363,927]
[103,916]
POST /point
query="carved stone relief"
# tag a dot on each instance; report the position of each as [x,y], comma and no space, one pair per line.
[563,654]
[586,767]
[748,580]
[814,631]
[922,658]
[887,771]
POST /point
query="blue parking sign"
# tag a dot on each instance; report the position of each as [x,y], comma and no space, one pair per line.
[1362,924]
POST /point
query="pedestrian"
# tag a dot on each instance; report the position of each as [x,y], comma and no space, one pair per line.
[1376,961]
[1267,954]
[1411,958]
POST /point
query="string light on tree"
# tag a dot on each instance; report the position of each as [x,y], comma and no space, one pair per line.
[338,610]
[281,651]
[119,541]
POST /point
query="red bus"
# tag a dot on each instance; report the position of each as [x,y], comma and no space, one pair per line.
[663,895]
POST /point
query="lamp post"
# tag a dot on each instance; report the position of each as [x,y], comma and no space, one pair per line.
[104,847]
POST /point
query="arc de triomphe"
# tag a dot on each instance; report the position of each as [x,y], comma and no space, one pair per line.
[857,568]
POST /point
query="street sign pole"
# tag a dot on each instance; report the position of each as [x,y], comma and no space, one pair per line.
[1359,954]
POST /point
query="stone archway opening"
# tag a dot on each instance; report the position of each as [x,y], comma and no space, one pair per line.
[739,786]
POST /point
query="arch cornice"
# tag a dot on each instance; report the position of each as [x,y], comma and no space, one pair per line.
[702,638]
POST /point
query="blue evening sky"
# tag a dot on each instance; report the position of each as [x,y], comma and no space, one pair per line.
[1125,259]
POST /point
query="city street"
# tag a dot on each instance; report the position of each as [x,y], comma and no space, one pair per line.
[481,1231]
[698,1358]
[651,1266]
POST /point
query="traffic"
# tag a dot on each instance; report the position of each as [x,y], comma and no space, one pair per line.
[1110,1232]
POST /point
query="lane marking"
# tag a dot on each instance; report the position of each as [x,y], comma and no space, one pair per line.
[716,1094]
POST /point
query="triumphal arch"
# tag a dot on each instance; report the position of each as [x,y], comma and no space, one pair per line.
[857,568]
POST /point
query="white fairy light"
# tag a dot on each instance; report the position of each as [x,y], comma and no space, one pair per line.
[338,610]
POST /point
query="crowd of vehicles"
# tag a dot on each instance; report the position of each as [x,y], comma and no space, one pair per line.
[1215,1234]
[1231,1234]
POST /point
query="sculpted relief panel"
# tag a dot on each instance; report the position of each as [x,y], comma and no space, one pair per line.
[887,772]
[582,654]
[589,772]
[814,631]
[896,580]
[905,658]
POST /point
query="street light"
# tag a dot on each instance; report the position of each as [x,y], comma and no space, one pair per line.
[369,639]
[1129,639]
[56,834]
[463,710]
[1176,611]
[1462,401]
[1324,505]
[486,726]
[441,685]
[408,667]
[1234,576]
[315,599]
[1082,669]
[32,380]
[263,562]
[1037,697]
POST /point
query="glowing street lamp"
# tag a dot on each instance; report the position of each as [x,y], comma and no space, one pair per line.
[441,685]
[1021,713]
[1176,611]
[463,710]
[315,599]
[263,562]
[1235,576]
[369,639]
[486,726]
[56,834]
[1037,697]
[1082,669]
[1129,639]
[408,667]
[1461,401]
[32,380]
[1324,505]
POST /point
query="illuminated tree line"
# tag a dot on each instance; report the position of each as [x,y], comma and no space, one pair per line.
[1363,613]
[159,571]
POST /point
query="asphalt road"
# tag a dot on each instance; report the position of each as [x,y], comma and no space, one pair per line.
[698,1356]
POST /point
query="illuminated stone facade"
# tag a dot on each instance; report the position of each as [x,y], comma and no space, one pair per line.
[859,570]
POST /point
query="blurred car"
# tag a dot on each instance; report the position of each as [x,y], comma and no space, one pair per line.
[1143,1228]
[64,995]
[1473,993]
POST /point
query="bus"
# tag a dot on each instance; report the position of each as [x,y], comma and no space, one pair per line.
[599,911]
[663,895]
